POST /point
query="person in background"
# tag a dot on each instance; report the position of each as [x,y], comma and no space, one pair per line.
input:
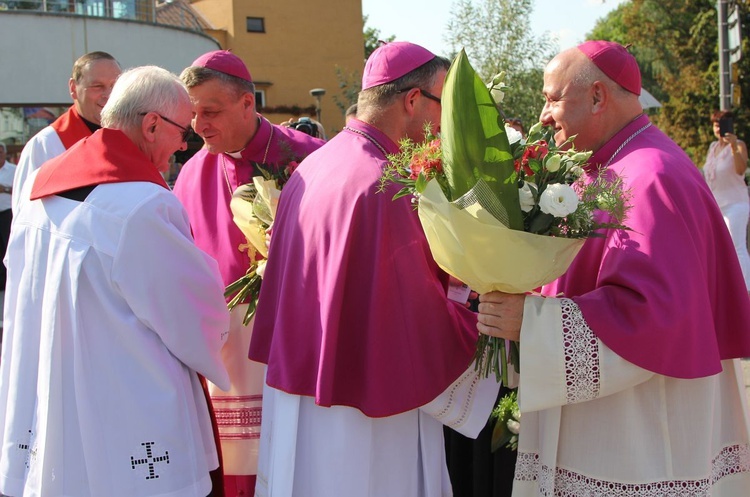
[7,172]
[94,75]
[111,313]
[724,170]
[236,139]
[367,356]
[630,381]
[516,124]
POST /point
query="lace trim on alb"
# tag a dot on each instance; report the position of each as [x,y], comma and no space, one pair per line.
[732,460]
[452,402]
[581,348]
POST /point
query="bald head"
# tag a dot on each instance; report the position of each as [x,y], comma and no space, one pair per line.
[581,100]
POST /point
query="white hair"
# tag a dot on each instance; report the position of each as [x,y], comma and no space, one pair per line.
[140,90]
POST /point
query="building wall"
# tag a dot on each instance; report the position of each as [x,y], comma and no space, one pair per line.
[303,43]
[39,50]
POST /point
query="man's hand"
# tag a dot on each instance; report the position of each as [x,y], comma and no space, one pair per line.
[501,315]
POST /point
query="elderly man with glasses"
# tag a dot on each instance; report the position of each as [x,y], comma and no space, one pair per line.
[111,314]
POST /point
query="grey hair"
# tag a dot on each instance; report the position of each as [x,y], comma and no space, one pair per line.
[421,77]
[139,90]
[195,76]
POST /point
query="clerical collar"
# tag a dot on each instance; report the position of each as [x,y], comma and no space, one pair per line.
[91,126]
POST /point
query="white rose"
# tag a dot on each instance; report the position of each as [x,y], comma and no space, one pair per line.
[526,197]
[559,200]
[553,163]
[513,134]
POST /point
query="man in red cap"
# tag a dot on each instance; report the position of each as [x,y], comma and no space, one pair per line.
[367,357]
[111,312]
[630,381]
[236,138]
[93,76]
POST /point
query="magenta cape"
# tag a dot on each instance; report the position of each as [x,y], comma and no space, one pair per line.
[202,188]
[668,295]
[353,309]
[107,156]
[70,127]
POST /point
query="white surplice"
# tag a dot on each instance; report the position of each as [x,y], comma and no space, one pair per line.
[595,424]
[39,149]
[110,311]
[311,451]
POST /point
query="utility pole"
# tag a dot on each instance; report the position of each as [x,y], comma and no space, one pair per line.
[729,49]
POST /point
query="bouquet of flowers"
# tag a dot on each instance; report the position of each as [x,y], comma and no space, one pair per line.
[500,213]
[254,208]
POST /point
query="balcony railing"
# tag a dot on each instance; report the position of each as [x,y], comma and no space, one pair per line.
[168,12]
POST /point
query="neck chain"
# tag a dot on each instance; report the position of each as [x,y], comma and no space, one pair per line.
[265,157]
[644,128]
[374,142]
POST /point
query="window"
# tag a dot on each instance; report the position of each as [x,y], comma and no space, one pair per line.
[260,99]
[256,25]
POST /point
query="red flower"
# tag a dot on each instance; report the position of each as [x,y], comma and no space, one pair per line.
[535,151]
[427,161]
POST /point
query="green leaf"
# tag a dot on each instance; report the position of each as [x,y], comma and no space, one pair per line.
[473,139]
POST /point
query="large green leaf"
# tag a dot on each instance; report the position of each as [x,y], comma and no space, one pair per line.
[473,139]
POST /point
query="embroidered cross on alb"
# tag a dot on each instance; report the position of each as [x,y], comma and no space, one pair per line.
[150,459]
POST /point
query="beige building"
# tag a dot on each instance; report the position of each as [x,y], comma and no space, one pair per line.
[292,47]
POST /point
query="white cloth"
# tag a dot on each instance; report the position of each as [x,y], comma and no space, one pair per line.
[725,183]
[736,217]
[311,451]
[595,424]
[110,311]
[7,172]
[39,149]
[238,409]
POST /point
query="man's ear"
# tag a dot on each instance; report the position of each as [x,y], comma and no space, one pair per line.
[599,96]
[410,100]
[72,88]
[148,127]
[248,102]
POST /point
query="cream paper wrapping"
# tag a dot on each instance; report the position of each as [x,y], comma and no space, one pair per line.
[250,216]
[476,248]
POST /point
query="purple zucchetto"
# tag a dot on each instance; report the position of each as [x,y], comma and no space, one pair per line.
[224,61]
[616,62]
[392,60]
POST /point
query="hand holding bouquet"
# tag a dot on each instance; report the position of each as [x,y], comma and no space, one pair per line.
[500,215]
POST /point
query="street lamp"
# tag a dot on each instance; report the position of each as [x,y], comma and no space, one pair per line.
[317,93]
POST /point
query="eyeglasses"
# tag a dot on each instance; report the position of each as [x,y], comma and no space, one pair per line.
[187,133]
[424,92]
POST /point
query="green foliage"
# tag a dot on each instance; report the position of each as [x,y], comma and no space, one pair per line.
[497,36]
[676,45]
[373,38]
[350,81]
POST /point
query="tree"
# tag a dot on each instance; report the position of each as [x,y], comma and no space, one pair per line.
[496,35]
[373,38]
[676,45]
[349,81]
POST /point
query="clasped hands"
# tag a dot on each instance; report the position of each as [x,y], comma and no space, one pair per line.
[501,315]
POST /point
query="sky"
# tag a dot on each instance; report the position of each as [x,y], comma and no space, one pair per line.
[424,23]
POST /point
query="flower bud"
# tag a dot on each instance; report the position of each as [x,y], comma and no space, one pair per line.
[553,163]
[580,157]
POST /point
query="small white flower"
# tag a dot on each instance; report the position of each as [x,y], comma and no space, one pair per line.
[498,79]
[514,426]
[526,197]
[558,200]
[497,95]
[261,269]
[553,163]
[513,134]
